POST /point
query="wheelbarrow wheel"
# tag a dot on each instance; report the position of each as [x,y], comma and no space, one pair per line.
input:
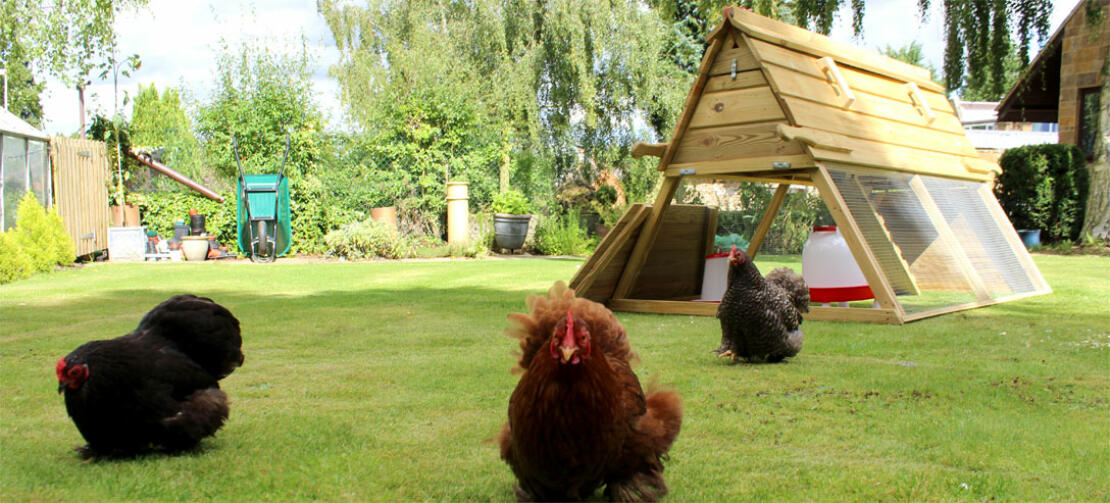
[262,252]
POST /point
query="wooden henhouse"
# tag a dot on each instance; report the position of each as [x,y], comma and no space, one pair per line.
[875,137]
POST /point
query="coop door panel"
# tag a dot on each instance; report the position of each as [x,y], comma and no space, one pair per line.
[957,250]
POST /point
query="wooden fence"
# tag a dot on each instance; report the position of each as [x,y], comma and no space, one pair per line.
[81,191]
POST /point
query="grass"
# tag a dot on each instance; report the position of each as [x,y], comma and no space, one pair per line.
[386,381]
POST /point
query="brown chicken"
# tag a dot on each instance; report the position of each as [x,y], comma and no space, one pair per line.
[578,418]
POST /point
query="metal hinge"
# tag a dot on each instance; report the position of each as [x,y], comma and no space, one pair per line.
[686,171]
[780,165]
[733,68]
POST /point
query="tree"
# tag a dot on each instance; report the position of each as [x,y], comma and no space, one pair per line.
[262,96]
[69,39]
[1097,221]
[160,122]
[23,89]
[546,79]
[913,54]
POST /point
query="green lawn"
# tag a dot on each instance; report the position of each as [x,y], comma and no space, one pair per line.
[387,380]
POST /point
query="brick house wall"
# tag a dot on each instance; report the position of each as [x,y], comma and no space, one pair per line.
[1083,53]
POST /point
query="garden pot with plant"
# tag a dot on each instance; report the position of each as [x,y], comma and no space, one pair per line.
[511,215]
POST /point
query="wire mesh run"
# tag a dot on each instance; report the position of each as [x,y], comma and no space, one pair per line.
[938,241]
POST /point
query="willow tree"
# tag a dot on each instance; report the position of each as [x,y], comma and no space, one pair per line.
[987,42]
[547,82]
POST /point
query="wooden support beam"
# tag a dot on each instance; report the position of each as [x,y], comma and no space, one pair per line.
[897,270]
[963,263]
[733,166]
[710,231]
[647,237]
[640,149]
[874,274]
[816,313]
[793,180]
[609,247]
[768,218]
[694,95]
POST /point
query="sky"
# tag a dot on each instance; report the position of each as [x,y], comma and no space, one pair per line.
[178,42]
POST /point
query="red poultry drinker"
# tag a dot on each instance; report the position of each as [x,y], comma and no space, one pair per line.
[829,269]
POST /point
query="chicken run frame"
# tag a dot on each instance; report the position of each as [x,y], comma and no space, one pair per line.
[879,141]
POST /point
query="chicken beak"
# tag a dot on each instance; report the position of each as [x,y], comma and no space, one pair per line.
[567,353]
[61,386]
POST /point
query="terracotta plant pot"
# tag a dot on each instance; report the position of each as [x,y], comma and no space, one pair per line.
[117,216]
[385,214]
[130,216]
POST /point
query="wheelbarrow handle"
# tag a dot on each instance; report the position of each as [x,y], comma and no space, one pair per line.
[235,148]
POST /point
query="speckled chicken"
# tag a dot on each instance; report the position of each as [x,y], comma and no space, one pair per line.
[761,317]
[157,386]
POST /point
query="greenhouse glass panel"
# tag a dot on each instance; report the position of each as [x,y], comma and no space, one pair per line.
[40,172]
[15,176]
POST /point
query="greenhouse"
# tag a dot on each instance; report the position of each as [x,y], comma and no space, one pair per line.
[24,164]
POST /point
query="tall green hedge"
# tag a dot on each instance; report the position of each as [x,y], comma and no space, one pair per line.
[1044,187]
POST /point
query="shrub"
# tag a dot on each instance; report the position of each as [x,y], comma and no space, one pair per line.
[561,235]
[512,202]
[160,209]
[15,264]
[1044,187]
[42,236]
[368,239]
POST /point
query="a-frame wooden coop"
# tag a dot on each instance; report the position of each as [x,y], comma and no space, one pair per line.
[876,137]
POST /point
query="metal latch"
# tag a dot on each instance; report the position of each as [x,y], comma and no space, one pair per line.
[686,171]
[91,235]
[780,165]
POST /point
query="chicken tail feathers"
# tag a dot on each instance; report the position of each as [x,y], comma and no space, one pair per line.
[534,328]
[654,433]
[794,285]
[201,415]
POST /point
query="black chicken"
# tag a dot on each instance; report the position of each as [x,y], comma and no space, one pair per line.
[761,317]
[156,386]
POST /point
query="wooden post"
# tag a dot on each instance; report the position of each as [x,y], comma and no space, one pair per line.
[647,237]
[876,279]
[608,248]
[768,218]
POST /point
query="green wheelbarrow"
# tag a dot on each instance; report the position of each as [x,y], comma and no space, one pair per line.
[264,223]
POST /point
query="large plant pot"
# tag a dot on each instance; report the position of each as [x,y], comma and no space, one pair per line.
[117,215]
[385,214]
[130,215]
[1030,237]
[509,231]
[195,248]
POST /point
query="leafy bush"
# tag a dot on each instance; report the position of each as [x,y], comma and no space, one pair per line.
[160,209]
[37,243]
[790,229]
[42,235]
[368,239]
[561,235]
[15,264]
[511,202]
[1044,187]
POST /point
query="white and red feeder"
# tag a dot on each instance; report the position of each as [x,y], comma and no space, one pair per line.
[715,278]
[829,269]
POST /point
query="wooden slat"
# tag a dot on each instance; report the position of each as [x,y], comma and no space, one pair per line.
[694,95]
[1006,228]
[743,80]
[859,81]
[646,238]
[710,232]
[816,313]
[857,125]
[735,166]
[664,307]
[876,279]
[640,149]
[609,247]
[883,156]
[949,238]
[742,106]
[743,57]
[674,265]
[796,38]
[857,314]
[806,86]
[792,180]
[733,142]
[768,218]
